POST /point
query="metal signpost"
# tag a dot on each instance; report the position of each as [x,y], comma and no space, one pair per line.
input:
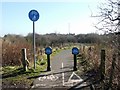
[75,52]
[48,51]
[34,16]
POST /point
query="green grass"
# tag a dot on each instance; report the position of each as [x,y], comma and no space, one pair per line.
[14,75]
[56,52]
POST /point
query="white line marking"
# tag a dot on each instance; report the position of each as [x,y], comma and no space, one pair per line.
[63,76]
[62,65]
[75,75]
[78,79]
[50,77]
[37,85]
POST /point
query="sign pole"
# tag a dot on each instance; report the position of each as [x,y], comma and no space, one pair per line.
[34,16]
[34,45]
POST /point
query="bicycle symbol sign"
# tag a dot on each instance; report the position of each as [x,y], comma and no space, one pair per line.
[50,77]
[75,51]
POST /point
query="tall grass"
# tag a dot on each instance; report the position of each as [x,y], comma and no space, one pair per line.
[11,53]
[92,57]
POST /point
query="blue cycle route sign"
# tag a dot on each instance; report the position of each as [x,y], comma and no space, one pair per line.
[48,51]
[75,51]
[33,15]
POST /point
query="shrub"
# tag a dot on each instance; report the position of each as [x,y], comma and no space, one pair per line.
[11,53]
[93,58]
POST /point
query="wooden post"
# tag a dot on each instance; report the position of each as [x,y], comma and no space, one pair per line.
[112,71]
[24,58]
[102,65]
[40,51]
[83,49]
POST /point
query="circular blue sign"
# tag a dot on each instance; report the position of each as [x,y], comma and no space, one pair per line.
[75,51]
[48,51]
[33,15]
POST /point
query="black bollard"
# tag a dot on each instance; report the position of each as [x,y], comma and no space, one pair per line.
[75,52]
[75,63]
[48,51]
[48,61]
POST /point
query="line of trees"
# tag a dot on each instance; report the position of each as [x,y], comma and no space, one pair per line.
[54,39]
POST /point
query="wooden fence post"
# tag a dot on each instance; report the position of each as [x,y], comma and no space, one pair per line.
[102,65]
[112,71]
[24,58]
[83,49]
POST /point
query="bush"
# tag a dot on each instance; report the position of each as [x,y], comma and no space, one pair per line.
[92,58]
[11,53]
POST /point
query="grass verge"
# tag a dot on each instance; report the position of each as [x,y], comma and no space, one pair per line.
[15,77]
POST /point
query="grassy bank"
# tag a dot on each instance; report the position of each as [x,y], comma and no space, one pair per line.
[15,77]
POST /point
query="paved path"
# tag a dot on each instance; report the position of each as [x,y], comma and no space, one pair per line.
[61,73]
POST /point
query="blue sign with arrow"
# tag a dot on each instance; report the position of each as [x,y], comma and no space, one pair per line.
[75,51]
[33,15]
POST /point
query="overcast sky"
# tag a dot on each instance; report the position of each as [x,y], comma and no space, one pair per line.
[62,16]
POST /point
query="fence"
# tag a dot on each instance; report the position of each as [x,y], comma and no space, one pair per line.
[107,65]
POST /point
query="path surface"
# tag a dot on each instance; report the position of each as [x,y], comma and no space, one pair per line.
[61,74]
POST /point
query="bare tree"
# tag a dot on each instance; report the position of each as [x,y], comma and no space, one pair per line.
[108,16]
[109,22]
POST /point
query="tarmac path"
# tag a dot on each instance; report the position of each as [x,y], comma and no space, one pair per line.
[61,74]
